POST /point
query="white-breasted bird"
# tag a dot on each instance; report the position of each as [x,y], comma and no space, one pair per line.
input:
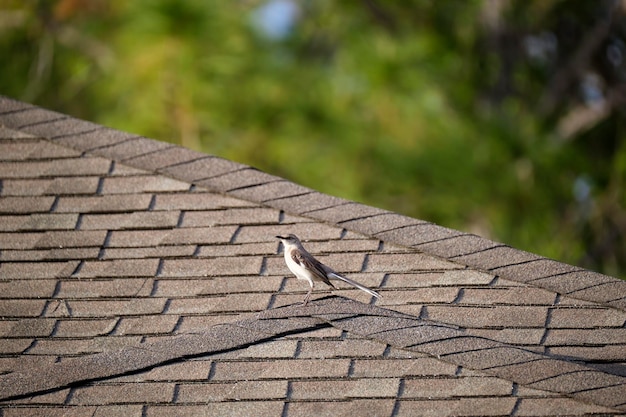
[304,266]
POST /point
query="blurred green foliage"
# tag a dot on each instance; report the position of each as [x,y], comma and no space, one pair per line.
[503,118]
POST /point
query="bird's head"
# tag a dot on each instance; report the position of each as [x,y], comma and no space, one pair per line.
[289,239]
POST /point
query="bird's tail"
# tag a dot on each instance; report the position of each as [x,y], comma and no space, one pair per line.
[354,284]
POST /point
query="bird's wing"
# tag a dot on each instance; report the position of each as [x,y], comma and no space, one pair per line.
[309,262]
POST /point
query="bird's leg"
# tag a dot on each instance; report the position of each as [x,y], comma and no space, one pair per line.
[308,295]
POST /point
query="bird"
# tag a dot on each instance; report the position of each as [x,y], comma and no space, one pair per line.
[304,266]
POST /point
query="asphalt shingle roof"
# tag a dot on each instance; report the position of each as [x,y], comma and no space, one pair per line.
[140,278]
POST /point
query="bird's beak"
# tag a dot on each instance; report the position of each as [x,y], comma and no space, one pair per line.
[281,237]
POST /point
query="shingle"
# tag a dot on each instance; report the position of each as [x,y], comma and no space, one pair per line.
[32,327]
[406,263]
[308,203]
[104,203]
[498,258]
[536,268]
[144,393]
[136,220]
[245,265]
[377,368]
[510,296]
[496,316]
[344,348]
[602,292]
[66,126]
[85,328]
[238,391]
[498,406]
[236,408]
[163,158]
[578,318]
[347,212]
[558,406]
[255,248]
[237,216]
[123,147]
[119,268]
[428,388]
[225,303]
[231,177]
[202,168]
[52,254]
[69,347]
[187,236]
[313,231]
[50,186]
[607,353]
[15,346]
[34,149]
[571,281]
[512,336]
[595,336]
[457,246]
[270,349]
[35,270]
[21,308]
[611,396]
[466,277]
[6,133]
[270,191]
[26,288]
[356,407]
[192,370]
[142,184]
[419,296]
[25,204]
[196,201]
[149,252]
[118,287]
[329,390]
[71,239]
[146,325]
[70,167]
[413,235]
[219,285]
[95,139]
[104,308]
[27,115]
[281,368]
[43,221]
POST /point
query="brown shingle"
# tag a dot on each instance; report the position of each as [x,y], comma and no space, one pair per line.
[163,158]
[245,265]
[281,368]
[202,168]
[136,220]
[104,203]
[143,393]
[37,204]
[238,391]
[238,408]
[426,388]
[489,317]
[50,186]
[142,184]
[330,390]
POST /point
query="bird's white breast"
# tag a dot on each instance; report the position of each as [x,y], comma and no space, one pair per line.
[296,269]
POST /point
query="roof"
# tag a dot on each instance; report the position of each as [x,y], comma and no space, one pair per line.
[140,278]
